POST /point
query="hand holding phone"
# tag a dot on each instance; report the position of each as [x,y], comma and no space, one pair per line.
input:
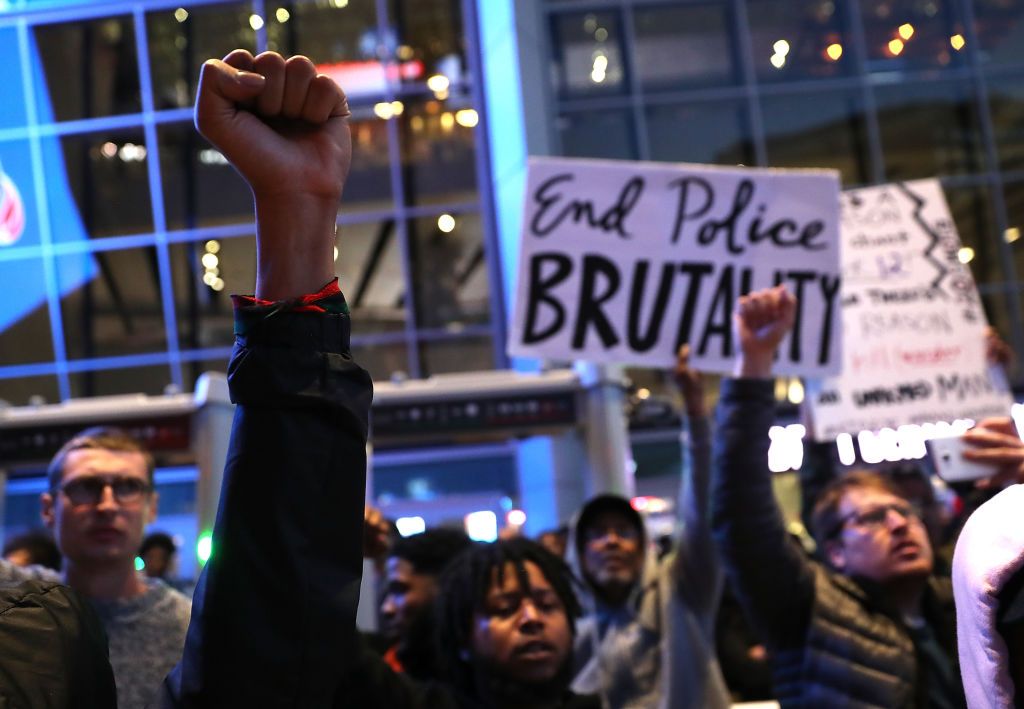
[947,455]
[996,442]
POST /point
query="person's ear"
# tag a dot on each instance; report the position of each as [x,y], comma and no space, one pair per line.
[47,509]
[836,555]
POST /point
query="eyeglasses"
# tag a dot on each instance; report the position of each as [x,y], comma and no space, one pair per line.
[876,517]
[89,490]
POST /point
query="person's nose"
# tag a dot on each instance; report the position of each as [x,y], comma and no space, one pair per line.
[107,501]
[530,617]
[389,607]
[897,518]
[612,538]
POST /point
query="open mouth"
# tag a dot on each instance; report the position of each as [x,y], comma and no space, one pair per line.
[535,650]
[904,548]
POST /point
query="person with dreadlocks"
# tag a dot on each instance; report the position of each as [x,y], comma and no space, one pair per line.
[505,616]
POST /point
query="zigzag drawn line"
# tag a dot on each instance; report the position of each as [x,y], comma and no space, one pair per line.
[918,205]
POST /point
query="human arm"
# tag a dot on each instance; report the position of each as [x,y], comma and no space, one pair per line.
[273,618]
[771,578]
[697,571]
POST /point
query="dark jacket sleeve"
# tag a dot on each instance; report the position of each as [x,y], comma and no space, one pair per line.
[772,579]
[273,617]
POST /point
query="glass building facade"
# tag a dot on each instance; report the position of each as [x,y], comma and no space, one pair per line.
[122,231]
[880,90]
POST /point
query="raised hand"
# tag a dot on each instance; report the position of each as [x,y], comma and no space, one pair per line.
[997,442]
[285,129]
[280,124]
[376,532]
[761,320]
[996,349]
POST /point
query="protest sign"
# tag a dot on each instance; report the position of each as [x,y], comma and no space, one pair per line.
[622,262]
[913,324]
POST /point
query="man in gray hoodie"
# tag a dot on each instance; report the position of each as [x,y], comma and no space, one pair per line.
[647,639]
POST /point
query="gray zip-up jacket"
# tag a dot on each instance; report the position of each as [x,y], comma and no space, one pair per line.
[658,649]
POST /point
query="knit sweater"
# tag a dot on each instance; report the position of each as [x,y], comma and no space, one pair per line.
[146,636]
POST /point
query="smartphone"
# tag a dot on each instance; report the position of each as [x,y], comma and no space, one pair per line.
[950,464]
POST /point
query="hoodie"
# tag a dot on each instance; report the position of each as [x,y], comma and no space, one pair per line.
[989,553]
[657,649]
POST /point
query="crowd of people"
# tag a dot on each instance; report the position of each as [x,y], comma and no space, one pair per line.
[587,616]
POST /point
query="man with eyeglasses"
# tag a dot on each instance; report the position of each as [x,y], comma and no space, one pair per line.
[874,628]
[99,502]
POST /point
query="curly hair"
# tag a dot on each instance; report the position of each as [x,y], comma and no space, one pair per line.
[463,590]
[429,552]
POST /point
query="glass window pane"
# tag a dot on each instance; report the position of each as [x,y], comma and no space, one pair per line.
[323,31]
[344,41]
[449,271]
[700,133]
[24,315]
[91,67]
[382,361]
[108,177]
[683,46]
[12,90]
[124,380]
[1014,194]
[439,151]
[588,53]
[368,186]
[370,272]
[110,303]
[998,24]
[182,38]
[597,134]
[928,129]
[430,35]
[25,390]
[907,34]
[818,130]
[19,216]
[465,477]
[205,274]
[1006,102]
[200,188]
[971,208]
[472,354]
[798,39]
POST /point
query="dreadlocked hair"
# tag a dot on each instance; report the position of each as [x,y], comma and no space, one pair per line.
[463,589]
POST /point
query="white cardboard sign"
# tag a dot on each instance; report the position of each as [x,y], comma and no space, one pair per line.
[621,262]
[913,324]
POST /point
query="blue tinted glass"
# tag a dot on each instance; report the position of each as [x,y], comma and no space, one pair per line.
[12,89]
